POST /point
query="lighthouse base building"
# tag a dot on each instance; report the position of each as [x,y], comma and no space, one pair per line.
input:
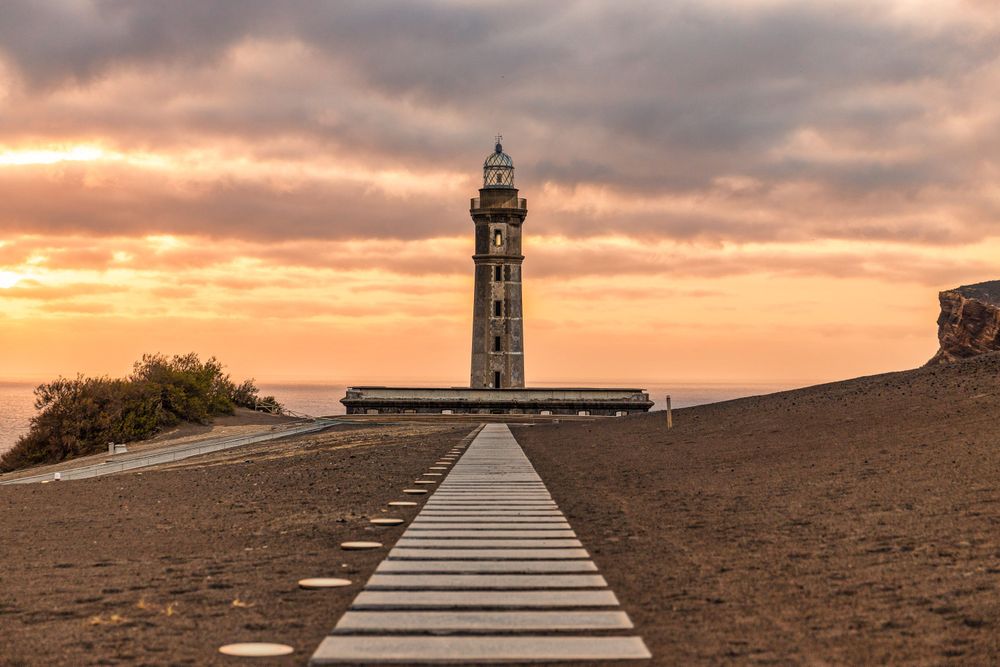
[497,373]
[469,401]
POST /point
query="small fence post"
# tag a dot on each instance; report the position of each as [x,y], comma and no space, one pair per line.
[670,413]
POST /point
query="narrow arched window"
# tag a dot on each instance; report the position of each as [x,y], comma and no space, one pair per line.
[497,238]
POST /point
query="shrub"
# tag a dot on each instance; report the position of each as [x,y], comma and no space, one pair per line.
[188,389]
[81,416]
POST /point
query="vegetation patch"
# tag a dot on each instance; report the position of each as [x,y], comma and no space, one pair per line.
[81,416]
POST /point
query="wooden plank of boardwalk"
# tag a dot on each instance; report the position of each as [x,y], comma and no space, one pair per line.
[485,566]
[504,531]
[489,562]
[487,554]
[476,650]
[419,542]
[435,599]
[473,621]
[493,523]
[480,581]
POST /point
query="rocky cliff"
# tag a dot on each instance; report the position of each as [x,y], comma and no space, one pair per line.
[969,323]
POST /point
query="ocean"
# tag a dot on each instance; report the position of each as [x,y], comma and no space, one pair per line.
[17,398]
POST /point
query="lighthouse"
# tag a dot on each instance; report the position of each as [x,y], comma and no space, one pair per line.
[497,378]
[497,314]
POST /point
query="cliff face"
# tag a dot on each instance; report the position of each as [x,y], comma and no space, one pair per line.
[969,323]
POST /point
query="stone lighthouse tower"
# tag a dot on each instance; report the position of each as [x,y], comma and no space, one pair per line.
[497,326]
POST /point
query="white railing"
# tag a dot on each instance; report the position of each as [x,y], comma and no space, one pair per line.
[183,451]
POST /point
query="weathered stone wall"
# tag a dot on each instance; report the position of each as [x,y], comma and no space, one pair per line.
[969,323]
[498,211]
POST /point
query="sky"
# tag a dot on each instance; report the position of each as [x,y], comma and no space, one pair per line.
[718,191]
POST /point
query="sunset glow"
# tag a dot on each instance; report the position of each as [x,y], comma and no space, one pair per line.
[725,192]
[41,156]
[8,279]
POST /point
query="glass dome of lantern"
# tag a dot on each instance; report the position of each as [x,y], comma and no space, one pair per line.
[498,168]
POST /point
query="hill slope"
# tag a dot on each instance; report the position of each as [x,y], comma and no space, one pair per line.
[854,522]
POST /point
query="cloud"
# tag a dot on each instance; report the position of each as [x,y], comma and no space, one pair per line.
[111,200]
[288,181]
[77,42]
[645,96]
[564,260]
[34,290]
[292,127]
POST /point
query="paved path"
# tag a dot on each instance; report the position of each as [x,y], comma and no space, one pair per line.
[132,461]
[489,571]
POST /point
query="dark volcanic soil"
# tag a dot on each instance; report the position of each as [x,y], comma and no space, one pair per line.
[851,523]
[163,567]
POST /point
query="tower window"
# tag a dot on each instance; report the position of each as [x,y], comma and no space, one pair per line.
[498,273]
[497,308]
[497,238]
[496,343]
[496,379]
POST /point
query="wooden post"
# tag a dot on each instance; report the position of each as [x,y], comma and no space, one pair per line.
[670,414]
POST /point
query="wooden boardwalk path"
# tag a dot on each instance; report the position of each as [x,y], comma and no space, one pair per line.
[488,571]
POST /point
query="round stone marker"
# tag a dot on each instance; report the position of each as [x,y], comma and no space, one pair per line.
[388,521]
[256,650]
[402,503]
[359,546]
[415,492]
[323,582]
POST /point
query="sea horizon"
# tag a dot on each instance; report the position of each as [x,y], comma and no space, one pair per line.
[316,398]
